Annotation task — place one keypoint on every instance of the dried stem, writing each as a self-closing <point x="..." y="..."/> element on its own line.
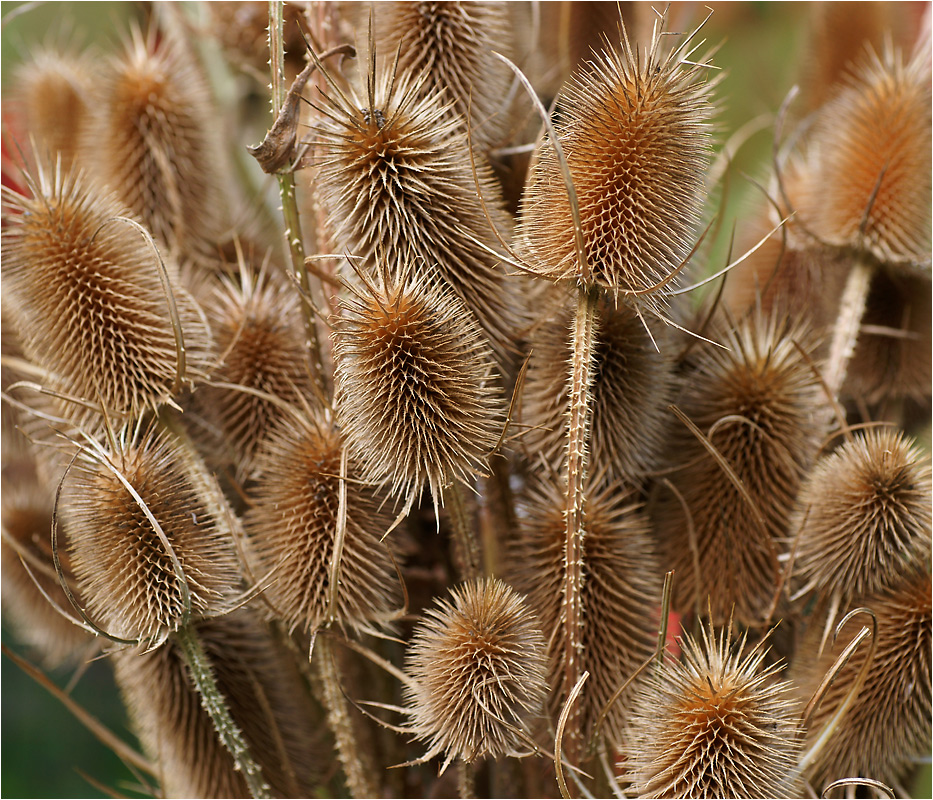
<point x="466" y="545"/>
<point x="846" y="330"/>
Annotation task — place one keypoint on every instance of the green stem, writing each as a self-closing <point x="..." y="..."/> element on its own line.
<point x="216" y="706"/>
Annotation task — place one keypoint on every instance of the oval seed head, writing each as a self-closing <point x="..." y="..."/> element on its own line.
<point x="88" y="301"/>
<point x="865" y="511"/>
<point x="887" y="729"/>
<point x="154" y="142"/>
<point x="636" y="139"/>
<point x="293" y="524"/>
<point x="716" y="723"/>
<point x="632" y="386"/>
<point x="477" y="665"/>
<point x="266" y="697"/>
<point x="756" y="400"/>
<point x="621" y="590"/>
<point x="125" y="574"/>
<point x="414" y="388"/>
<point x="872" y="143"/>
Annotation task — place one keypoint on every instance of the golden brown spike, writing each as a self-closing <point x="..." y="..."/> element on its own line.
<point x="415" y="394"/>
<point x="88" y="301"/>
<point x="293" y="525"/>
<point x="128" y="580"/>
<point x="755" y="401"/>
<point x="715" y="723"/>
<point x="865" y="511"/>
<point x="620" y="593"/>
<point x="477" y="665"/>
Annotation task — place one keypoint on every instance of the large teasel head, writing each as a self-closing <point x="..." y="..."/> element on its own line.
<point x="753" y="401"/>
<point x="264" y="692"/>
<point x="477" y="668"/>
<point x="148" y="535"/>
<point x="415" y="394"/>
<point x="153" y="140"/>
<point x="864" y="515"/>
<point x="298" y="531"/>
<point x="91" y="300"/>
<point x="635" y="133"/>
<point x="395" y="176"/>
<point x="714" y="723"/>
<point x="621" y="589"/>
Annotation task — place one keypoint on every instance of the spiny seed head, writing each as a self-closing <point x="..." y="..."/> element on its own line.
<point x="713" y="724"/>
<point x="477" y="665"/>
<point x="266" y="699"/>
<point x="415" y="394"/>
<point x="755" y="401"/>
<point x="872" y="182"/>
<point x="632" y="386"/>
<point x="87" y="300"/>
<point x="293" y="526"/>
<point x="126" y="576"/>
<point x="865" y="511"/>
<point x="887" y="729"/>
<point x="636" y="139"/>
<point x="621" y="589"/>
<point x="154" y="142"/>
<point x="395" y="175"/>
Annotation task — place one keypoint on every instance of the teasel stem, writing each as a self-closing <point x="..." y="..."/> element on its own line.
<point x="466" y="780"/>
<point x="846" y="330"/>
<point x="286" y="181"/>
<point x="467" y="548"/>
<point x="215" y="705"/>
<point x="355" y="767"/>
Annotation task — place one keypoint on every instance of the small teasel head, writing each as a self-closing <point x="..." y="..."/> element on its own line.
<point x="477" y="665"/>
<point x="865" y="514"/>
<point x="715" y="723"/>
<point x="415" y="392"/>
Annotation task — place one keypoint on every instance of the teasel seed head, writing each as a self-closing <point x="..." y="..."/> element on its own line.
<point x="478" y="669"/>
<point x="755" y="399"/>
<point x="866" y="515"/>
<point x="87" y="300"/>
<point x="621" y="589"/>
<point x="154" y="141"/>
<point x="887" y="729"/>
<point x="293" y="527"/>
<point x="636" y="137"/>
<point x="395" y="177"/>
<point x="632" y="386"/>
<point x="415" y="394"/>
<point x="126" y="576"/>
<point x="266" y="697"/>
<point x="715" y="723"/>
<point x="872" y="184"/>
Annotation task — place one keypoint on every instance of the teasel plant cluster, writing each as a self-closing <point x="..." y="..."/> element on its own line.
<point x="379" y="406"/>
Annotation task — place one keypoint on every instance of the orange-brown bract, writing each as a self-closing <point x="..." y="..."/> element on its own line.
<point x="477" y="666"/>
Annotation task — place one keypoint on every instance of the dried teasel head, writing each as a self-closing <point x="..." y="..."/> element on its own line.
<point x="636" y="137"/>
<point x="92" y="302"/>
<point x="865" y="512"/>
<point x="477" y="666"/>
<point x="871" y="185"/>
<point x="754" y="401"/>
<point x="414" y="384"/>
<point x="267" y="700"/>
<point x="153" y="140"/>
<point x="145" y="565"/>
<point x="295" y="532"/>
<point x="715" y="723"/>
<point x="621" y="589"/>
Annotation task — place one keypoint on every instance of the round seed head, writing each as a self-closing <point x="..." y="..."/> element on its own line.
<point x="477" y="665"/>
<point x="636" y="139"/>
<point x="415" y="395"/>
<point x="716" y="723"/>
<point x="127" y="579"/>
<point x="293" y="525"/>
<point x="755" y="400"/>
<point x="865" y="511"/>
